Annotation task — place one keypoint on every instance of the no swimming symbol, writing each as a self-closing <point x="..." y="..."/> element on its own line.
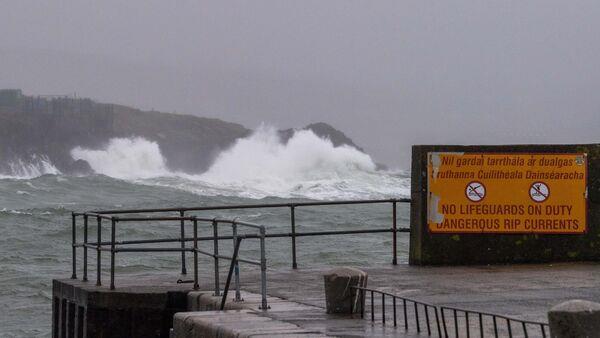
<point x="475" y="191"/>
<point x="539" y="192"/>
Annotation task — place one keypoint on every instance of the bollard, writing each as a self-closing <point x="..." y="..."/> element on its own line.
<point x="340" y="297"/>
<point x="575" y="318"/>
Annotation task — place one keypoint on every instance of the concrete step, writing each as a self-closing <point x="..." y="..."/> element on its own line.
<point x="235" y="323"/>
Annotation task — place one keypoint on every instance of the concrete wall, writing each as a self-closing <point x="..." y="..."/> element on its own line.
<point x="462" y="249"/>
<point x="80" y="309"/>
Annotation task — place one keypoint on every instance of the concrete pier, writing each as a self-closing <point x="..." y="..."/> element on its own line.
<point x="139" y="308"/>
<point x="297" y="298"/>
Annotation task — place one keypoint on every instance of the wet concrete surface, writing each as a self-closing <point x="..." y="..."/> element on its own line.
<point x="523" y="291"/>
<point x="297" y="296"/>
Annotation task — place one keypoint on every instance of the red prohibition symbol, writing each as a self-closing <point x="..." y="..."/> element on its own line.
<point x="475" y="191"/>
<point x="539" y="192"/>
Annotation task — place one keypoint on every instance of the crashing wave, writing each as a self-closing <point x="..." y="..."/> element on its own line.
<point x="34" y="166"/>
<point x="125" y="158"/>
<point x="260" y="165"/>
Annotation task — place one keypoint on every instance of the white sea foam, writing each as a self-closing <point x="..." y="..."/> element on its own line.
<point x="16" y="212"/>
<point x="257" y="166"/>
<point x="125" y="158"/>
<point x="305" y="166"/>
<point x="34" y="166"/>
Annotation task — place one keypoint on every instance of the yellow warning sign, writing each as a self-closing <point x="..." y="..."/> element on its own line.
<point x="507" y="193"/>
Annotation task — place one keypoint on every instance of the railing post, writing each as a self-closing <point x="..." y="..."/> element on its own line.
<point x="263" y="271"/>
<point x="216" y="256"/>
<point x="394" y="235"/>
<point x="182" y="227"/>
<point x="362" y="302"/>
<point x="293" y="223"/>
<point x="195" y="254"/>
<point x="383" y="308"/>
<point x="236" y="268"/>
<point x="73" y="238"/>
<point x="372" y="307"/>
<point x="112" y="253"/>
<point x="394" y="305"/>
<point x="85" y="249"/>
<point x="98" y="253"/>
<point x="236" y="249"/>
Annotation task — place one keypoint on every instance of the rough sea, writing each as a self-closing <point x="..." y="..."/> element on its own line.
<point x="36" y="202"/>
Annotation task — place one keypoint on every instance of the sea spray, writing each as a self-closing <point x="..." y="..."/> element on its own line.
<point x="263" y="157"/>
<point x="306" y="166"/>
<point x="260" y="165"/>
<point x="27" y="168"/>
<point x="125" y="158"/>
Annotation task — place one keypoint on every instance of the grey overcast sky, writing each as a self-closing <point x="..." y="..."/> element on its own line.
<point x="387" y="73"/>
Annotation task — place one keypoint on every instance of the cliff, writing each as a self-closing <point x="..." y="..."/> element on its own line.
<point x="33" y="127"/>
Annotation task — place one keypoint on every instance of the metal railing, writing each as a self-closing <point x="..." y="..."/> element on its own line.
<point x="524" y="327"/>
<point x="410" y="309"/>
<point x="293" y="234"/>
<point x="114" y="246"/>
<point x="457" y="321"/>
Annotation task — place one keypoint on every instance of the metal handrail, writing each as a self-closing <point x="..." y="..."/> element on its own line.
<point x="254" y="206"/>
<point x="480" y="315"/>
<point x="440" y="316"/>
<point x="111" y="246"/>
<point x="115" y="216"/>
<point x="405" y="307"/>
<point x="268" y="235"/>
<point x="292" y="234"/>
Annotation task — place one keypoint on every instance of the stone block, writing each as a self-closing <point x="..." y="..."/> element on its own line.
<point x="234" y="324"/>
<point x="575" y="319"/>
<point x="340" y="296"/>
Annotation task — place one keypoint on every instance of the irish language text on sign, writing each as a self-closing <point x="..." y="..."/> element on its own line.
<point x="507" y="193"/>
